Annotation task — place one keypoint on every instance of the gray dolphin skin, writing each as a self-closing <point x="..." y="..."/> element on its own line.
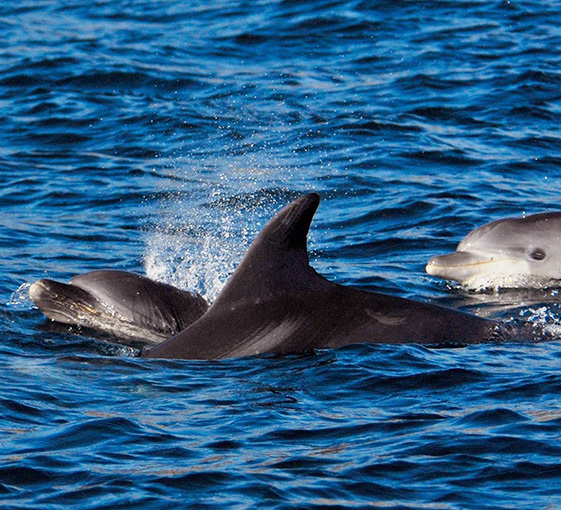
<point x="509" y="253"/>
<point x="125" y="304"/>
<point x="275" y="302"/>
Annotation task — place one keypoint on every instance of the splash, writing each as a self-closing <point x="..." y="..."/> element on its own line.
<point x="20" y="300"/>
<point x="205" y="224"/>
<point x="544" y="319"/>
<point x="199" y="259"/>
<point x="196" y="243"/>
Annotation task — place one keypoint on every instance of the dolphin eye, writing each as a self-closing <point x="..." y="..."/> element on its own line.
<point x="538" y="254"/>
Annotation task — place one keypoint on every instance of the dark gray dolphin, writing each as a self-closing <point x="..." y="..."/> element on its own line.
<point x="275" y="302"/>
<point x="125" y="304"/>
<point x="509" y="253"/>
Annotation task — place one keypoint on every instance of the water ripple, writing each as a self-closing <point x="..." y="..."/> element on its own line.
<point x="159" y="138"/>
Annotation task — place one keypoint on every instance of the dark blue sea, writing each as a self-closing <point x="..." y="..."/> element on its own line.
<point x="159" y="137"/>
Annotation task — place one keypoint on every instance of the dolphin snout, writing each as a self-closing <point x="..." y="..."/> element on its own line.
<point x="40" y="290"/>
<point x="458" y="266"/>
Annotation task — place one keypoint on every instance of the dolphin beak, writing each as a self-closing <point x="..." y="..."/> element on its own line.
<point x="39" y="291"/>
<point x="44" y="294"/>
<point x="458" y="266"/>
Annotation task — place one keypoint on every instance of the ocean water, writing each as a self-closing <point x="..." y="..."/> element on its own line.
<point x="159" y="137"/>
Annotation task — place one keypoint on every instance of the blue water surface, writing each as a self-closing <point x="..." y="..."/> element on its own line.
<point x="159" y="137"/>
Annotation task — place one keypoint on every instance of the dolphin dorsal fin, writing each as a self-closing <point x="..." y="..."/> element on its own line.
<point x="277" y="260"/>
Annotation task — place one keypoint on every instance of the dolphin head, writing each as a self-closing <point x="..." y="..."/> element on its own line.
<point x="512" y="252"/>
<point x="121" y="303"/>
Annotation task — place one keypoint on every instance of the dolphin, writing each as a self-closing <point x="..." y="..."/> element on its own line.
<point x="275" y="302"/>
<point x="124" y="304"/>
<point x="509" y="253"/>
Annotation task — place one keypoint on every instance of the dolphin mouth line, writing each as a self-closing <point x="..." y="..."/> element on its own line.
<point x="433" y="263"/>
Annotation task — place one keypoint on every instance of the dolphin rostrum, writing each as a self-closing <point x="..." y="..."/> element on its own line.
<point x="510" y="253"/>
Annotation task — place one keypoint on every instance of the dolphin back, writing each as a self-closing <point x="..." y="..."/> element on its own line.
<point x="275" y="302"/>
